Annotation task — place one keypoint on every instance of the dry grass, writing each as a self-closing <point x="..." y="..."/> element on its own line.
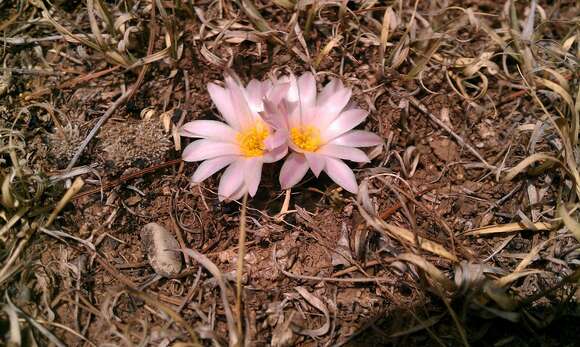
<point x="465" y="230"/>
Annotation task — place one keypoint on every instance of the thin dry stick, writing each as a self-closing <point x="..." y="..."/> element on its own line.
<point x="96" y="128"/>
<point x="87" y="78"/>
<point x="326" y="279"/>
<point x="74" y="188"/>
<point x="354" y="268"/>
<point x="64" y="327"/>
<point x="13" y="257"/>
<point x="453" y="315"/>
<point x="151" y="301"/>
<point x="128" y="177"/>
<point x="458" y="138"/>
<point x="98" y="257"/>
<point x="213" y="269"/>
<point x="11" y="20"/>
<point x="240" y="270"/>
<point x="177" y="229"/>
<point x="150" y="47"/>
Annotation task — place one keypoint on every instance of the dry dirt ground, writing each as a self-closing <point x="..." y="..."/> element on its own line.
<point x="464" y="231"/>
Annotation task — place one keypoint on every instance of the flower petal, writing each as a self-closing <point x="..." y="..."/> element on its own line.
<point x="332" y="100"/>
<point x="237" y="195"/>
<point x="271" y="115"/>
<point x="208" y="149"/>
<point x="210" y="129"/>
<point x="275" y="154"/>
<point x="300" y="116"/>
<point x="223" y="101"/>
<point x="232" y="180"/>
<point x="306" y="85"/>
<point x="331" y="88"/>
<point x="277" y="92"/>
<point x="244" y="114"/>
<point x="256" y="91"/>
<point x="277" y="139"/>
<point x="292" y="95"/>
<point x="340" y="173"/>
<point x="358" y="138"/>
<point x="344" y="152"/>
<point x="346" y="121"/>
<point x="252" y="174"/>
<point x="293" y="170"/>
<point x="316" y="162"/>
<point x="211" y="166"/>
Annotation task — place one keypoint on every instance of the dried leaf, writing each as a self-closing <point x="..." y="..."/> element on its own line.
<point x="7" y="198"/>
<point x="213" y="269"/>
<point x="76" y="186"/>
<point x="326" y="50"/>
<point x="504" y="281"/>
<point x="532" y="254"/>
<point x="513" y="172"/>
<point x="570" y="223"/>
<point x="426" y="324"/>
<point x="507" y="228"/>
<point x="169" y="312"/>
<point x="342" y="255"/>
<point x="319" y="305"/>
<point x="50" y="336"/>
<point x="384" y="39"/>
<point x="429" y="268"/>
<point x="15" y="338"/>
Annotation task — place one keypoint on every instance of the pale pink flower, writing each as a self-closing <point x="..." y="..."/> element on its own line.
<point x="319" y="130"/>
<point x="243" y="143"/>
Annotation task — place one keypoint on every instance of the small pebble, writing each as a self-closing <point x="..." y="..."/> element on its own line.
<point x="159" y="244"/>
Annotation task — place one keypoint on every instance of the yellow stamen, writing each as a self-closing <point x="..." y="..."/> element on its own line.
<point x="306" y="138"/>
<point x="251" y="140"/>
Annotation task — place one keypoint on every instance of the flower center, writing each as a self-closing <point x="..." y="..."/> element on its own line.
<point x="306" y="138"/>
<point x="251" y="140"/>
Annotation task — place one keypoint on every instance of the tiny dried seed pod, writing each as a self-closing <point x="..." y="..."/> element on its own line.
<point x="160" y="247"/>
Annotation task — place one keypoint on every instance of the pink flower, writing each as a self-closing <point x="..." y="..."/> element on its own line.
<point x="319" y="130"/>
<point x="243" y="143"/>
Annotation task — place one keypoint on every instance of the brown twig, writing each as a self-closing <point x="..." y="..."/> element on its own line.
<point x="419" y="105"/>
<point x="150" y="47"/>
<point x="391" y="210"/>
<point x="326" y="279"/>
<point x="127" y="178"/>
<point x="11" y="20"/>
<point x="354" y="268"/>
<point x="177" y="229"/>
<point x="86" y="78"/>
<point x="121" y="100"/>
<point x="240" y="266"/>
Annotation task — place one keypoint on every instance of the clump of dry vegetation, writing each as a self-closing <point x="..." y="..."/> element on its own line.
<point x="133" y="145"/>
<point x="464" y="232"/>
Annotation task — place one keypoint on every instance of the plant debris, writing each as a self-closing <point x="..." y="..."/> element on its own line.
<point x="162" y="250"/>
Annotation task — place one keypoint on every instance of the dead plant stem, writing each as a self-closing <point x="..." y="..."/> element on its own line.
<point x="96" y="128"/>
<point x="240" y="268"/>
<point x="416" y="103"/>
